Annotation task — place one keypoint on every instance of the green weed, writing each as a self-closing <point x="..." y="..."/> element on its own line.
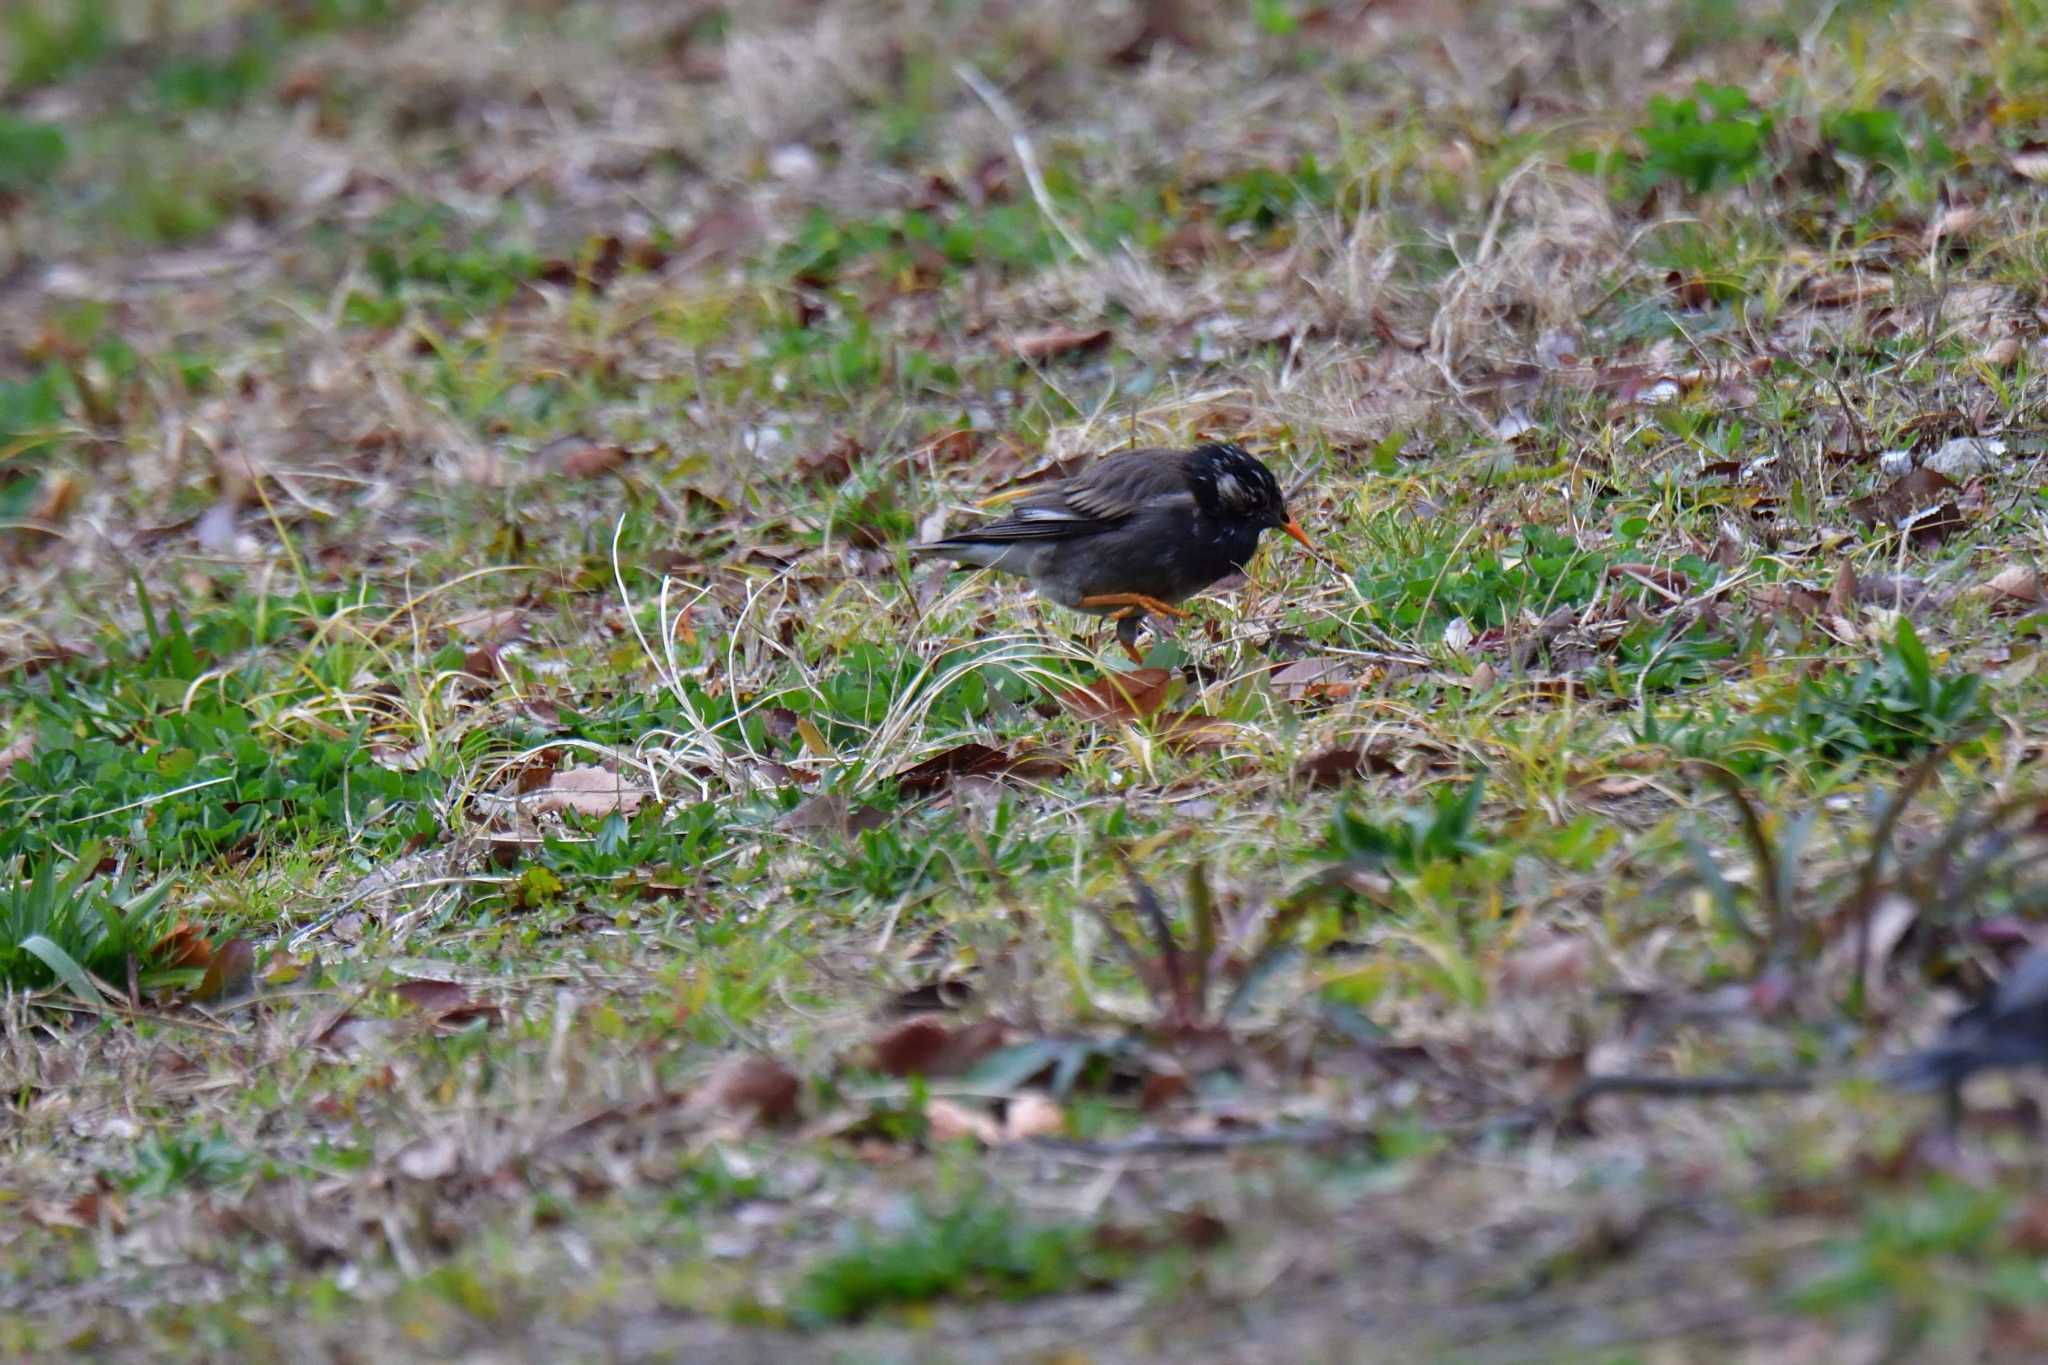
<point x="977" y="1250"/>
<point x="59" y="919"/>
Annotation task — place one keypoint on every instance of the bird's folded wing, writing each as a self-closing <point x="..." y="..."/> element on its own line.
<point x="1101" y="497"/>
<point x="1040" y="522"/>
<point x="1118" y="487"/>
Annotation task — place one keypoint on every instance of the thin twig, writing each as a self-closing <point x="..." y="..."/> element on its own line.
<point x="1680" y="1087"/>
<point x="1855" y="426"/>
<point x="1195" y="1144"/>
<point x="1020" y="143"/>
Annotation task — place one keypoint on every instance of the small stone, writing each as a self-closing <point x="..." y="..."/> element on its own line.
<point x="1965" y="457"/>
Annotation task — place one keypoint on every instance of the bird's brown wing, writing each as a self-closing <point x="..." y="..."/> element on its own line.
<point x="1105" y="494"/>
<point x="1114" y="488"/>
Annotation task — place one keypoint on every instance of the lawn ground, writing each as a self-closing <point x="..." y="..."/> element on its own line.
<point x="504" y="854"/>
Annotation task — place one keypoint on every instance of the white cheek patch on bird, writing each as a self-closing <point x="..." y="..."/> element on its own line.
<point x="1231" y="492"/>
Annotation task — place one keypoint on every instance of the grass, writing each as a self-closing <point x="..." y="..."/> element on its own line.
<point x="503" y="847"/>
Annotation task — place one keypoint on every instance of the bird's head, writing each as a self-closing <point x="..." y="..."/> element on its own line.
<point x="1229" y="481"/>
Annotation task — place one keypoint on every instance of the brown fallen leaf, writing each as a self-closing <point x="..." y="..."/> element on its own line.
<point x="1397" y="337"/>
<point x="588" y="791"/>
<point x="1846" y="291"/>
<point x="751" y="1087"/>
<point x="578" y="457"/>
<point x="1794" y="599"/>
<point x="2000" y="354"/>
<point x="834" y="464"/>
<point x="1655" y="576"/>
<point x="954" y="447"/>
<point x="1054" y="341"/>
<point x="230" y="972"/>
<point x="1335" y="766"/>
<point x="2016" y="588"/>
<point x="1314" y="680"/>
<point x="1955" y="225"/>
<point x="976" y="760"/>
<point x="17" y="751"/>
<point x="1032" y="1115"/>
<point x="926" y="1046"/>
<point x="1842" y="596"/>
<point x="835" y="812"/>
<point x="1610" y="788"/>
<point x="1919" y="504"/>
<point x="909" y="1048"/>
<point x="1196" y="732"/>
<point x="1160" y="22"/>
<point x="490" y="626"/>
<point x="718" y="236"/>
<point x="431" y="996"/>
<point x="1549" y="964"/>
<point x="949" y="1121"/>
<point x="1688" y="291"/>
<point x="184" y="946"/>
<point x="1118" y="696"/>
<point x="428" y="1158"/>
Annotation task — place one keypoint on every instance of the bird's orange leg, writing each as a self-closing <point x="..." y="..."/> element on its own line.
<point x="1138" y="600"/>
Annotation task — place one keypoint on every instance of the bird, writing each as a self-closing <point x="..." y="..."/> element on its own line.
<point x="1134" y="533"/>
<point x="2006" y="1029"/>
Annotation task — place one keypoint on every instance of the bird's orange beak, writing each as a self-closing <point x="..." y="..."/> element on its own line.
<point x="1293" y="528"/>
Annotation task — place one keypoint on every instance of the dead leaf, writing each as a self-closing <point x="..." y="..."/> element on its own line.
<point x="1054" y="341"/>
<point x="494" y="626"/>
<point x="1668" y="580"/>
<point x="926" y="1046"/>
<point x="1846" y="291"/>
<point x="302" y="84"/>
<point x="949" y="1121"/>
<point x="1688" y="291"/>
<point x="1918" y="504"/>
<point x="1955" y="225"/>
<point x="1314" y="680"/>
<point x="229" y="973"/>
<point x="719" y="235"/>
<point x="1335" y="766"/>
<point x="431" y="996"/>
<point x="1032" y="1115"/>
<point x="184" y="946"/>
<point x="2014" y="588"/>
<point x="1794" y="599"/>
<point x="1119" y="696"/>
<point x="1610" y="788"/>
<point x="578" y="457"/>
<point x="833" y="811"/>
<point x="954" y="447"/>
<point x="753" y="1087"/>
<point x="2031" y="162"/>
<point x="976" y="760"/>
<point x="1842" y="596"/>
<point x="1196" y="732"/>
<point x="834" y="464"/>
<point x="2000" y="354"/>
<point x="428" y="1158"/>
<point x="17" y="752"/>
<point x="216" y="529"/>
<point x="909" y="1048"/>
<point x="1160" y="22"/>
<point x="1399" y="338"/>
<point x="1548" y="965"/>
<point x="589" y="791"/>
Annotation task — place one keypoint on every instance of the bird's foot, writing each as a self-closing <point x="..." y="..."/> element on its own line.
<point x="1136" y="603"/>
